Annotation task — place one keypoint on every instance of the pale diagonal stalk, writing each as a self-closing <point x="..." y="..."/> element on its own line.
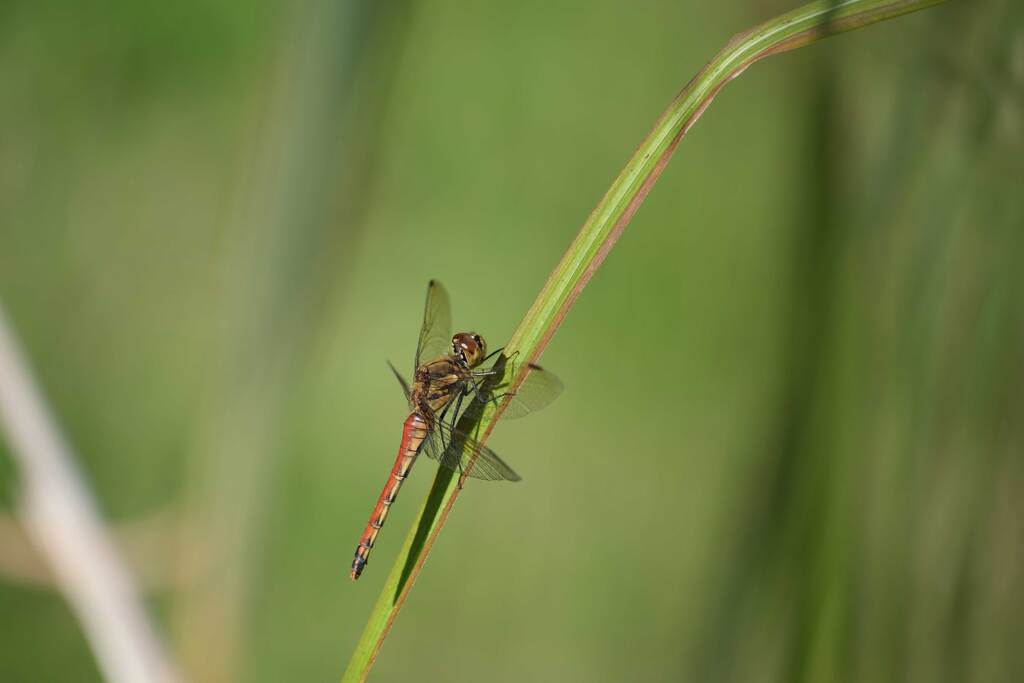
<point x="62" y="519"/>
<point x="592" y="244"/>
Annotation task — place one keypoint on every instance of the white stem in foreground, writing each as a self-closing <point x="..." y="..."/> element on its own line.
<point x="59" y="515"/>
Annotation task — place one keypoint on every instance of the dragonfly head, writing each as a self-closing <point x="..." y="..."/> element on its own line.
<point x="469" y="347"/>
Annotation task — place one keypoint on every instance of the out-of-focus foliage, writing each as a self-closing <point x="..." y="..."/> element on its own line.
<point x="790" y="444"/>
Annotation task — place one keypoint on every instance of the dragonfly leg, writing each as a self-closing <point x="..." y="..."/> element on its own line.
<point x="479" y="390"/>
<point x="455" y="418"/>
<point x="478" y="386"/>
<point x="498" y="397"/>
<point x="493" y="353"/>
<point x="440" y="418"/>
<point x="496" y="369"/>
<point x="491" y="398"/>
<point x="500" y="363"/>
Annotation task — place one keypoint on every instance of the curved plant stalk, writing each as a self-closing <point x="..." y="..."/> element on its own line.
<point x="592" y="244"/>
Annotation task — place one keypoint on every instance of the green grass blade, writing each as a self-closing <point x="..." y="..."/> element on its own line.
<point x="588" y="250"/>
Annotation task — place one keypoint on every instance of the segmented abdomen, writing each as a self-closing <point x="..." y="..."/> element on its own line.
<point x="413" y="434"/>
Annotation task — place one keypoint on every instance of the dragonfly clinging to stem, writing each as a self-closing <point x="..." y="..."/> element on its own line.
<point x="450" y="372"/>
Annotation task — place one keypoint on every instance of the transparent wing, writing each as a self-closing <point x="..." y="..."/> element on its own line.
<point x="457" y="451"/>
<point x="401" y="380"/>
<point x="436" y="333"/>
<point x="537" y="391"/>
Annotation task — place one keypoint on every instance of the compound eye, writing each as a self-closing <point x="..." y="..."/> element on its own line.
<point x="476" y="338"/>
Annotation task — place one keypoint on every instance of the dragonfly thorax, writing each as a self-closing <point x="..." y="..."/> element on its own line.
<point x="436" y="383"/>
<point x="469" y="347"/>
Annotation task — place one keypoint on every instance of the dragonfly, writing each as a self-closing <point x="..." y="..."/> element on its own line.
<point x="450" y="375"/>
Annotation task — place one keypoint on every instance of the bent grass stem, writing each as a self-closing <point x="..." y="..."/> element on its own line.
<point x="588" y="250"/>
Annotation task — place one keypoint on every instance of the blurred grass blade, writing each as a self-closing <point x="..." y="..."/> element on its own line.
<point x="289" y="249"/>
<point x="61" y="517"/>
<point x="592" y="244"/>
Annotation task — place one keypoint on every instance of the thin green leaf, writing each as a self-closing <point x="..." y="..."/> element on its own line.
<point x="586" y="253"/>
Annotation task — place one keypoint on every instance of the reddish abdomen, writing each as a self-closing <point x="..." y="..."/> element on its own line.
<point x="413" y="434"/>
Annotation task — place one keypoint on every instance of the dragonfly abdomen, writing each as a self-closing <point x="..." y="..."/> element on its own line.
<point x="413" y="433"/>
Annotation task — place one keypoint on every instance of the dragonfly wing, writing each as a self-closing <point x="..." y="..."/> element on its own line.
<point x="401" y="380"/>
<point x="436" y="332"/>
<point x="537" y="391"/>
<point x="462" y="454"/>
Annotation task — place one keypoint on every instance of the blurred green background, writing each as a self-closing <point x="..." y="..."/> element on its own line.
<point x="790" y="442"/>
